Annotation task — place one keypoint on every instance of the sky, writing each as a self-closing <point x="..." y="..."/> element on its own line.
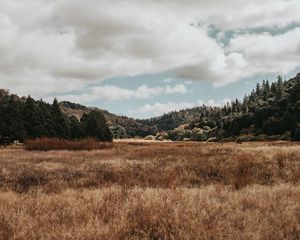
<point x="145" y="58"/>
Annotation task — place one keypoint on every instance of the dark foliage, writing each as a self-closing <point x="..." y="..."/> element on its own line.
<point x="25" y="118"/>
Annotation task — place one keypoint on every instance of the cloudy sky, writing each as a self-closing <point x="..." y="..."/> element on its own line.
<point x="144" y="58"/>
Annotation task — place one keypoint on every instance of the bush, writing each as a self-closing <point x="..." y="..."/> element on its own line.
<point x="47" y="144"/>
<point x="150" y="138"/>
<point x="162" y="136"/>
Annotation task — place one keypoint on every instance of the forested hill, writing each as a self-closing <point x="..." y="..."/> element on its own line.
<point x="271" y="111"/>
<point x="174" y="119"/>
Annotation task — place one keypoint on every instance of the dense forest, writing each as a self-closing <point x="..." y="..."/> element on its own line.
<point x="25" y="118"/>
<point x="270" y="112"/>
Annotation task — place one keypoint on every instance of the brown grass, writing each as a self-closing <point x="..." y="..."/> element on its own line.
<point x="47" y="144"/>
<point x="165" y="165"/>
<point x="212" y="212"/>
<point x="143" y="190"/>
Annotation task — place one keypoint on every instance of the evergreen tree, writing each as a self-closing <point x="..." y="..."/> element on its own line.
<point x="60" y="122"/>
<point x="77" y="130"/>
<point x="14" y="123"/>
<point x="30" y="118"/>
<point x="95" y="126"/>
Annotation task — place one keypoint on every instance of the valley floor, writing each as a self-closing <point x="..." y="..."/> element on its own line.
<point x="140" y="190"/>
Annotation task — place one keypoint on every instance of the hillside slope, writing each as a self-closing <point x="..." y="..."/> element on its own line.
<point x="271" y="111"/>
<point x="121" y="126"/>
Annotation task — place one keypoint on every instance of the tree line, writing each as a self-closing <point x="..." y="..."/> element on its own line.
<point x="25" y="118"/>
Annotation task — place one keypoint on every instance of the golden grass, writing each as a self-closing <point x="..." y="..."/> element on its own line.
<point x="166" y="165"/>
<point x="143" y="190"/>
<point x="212" y="212"/>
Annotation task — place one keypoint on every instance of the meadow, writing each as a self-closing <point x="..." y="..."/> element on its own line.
<point x="152" y="190"/>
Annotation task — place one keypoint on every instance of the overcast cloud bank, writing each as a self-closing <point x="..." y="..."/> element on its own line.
<point x="56" y="47"/>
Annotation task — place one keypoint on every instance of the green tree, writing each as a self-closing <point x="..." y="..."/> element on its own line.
<point x="77" y="130"/>
<point x="96" y="126"/>
<point x="30" y="118"/>
<point x="60" y="121"/>
<point x="14" y="123"/>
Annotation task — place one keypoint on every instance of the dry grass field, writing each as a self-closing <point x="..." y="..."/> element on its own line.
<point x="139" y="190"/>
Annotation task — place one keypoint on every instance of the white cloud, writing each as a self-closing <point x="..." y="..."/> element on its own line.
<point x="158" y="109"/>
<point x="179" y="88"/>
<point x="56" y="46"/>
<point x="264" y="53"/>
<point x="115" y="93"/>
<point x="249" y="54"/>
<point x="214" y="103"/>
<point x="161" y="108"/>
<point x="189" y="82"/>
<point x="168" y="80"/>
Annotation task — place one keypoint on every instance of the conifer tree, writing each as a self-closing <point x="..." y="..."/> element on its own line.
<point x="60" y="122"/>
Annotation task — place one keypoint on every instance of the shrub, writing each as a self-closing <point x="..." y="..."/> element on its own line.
<point x="150" y="138"/>
<point x="47" y="144"/>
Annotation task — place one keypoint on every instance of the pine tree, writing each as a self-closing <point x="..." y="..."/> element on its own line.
<point x="60" y="122"/>
<point x="258" y="90"/>
<point x="95" y="126"/>
<point x="14" y="123"/>
<point x="30" y="118"/>
<point x="273" y="88"/>
<point x="267" y="86"/>
<point x="77" y="130"/>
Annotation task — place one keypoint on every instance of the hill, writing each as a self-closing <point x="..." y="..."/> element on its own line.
<point x="120" y="126"/>
<point x="269" y="112"/>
